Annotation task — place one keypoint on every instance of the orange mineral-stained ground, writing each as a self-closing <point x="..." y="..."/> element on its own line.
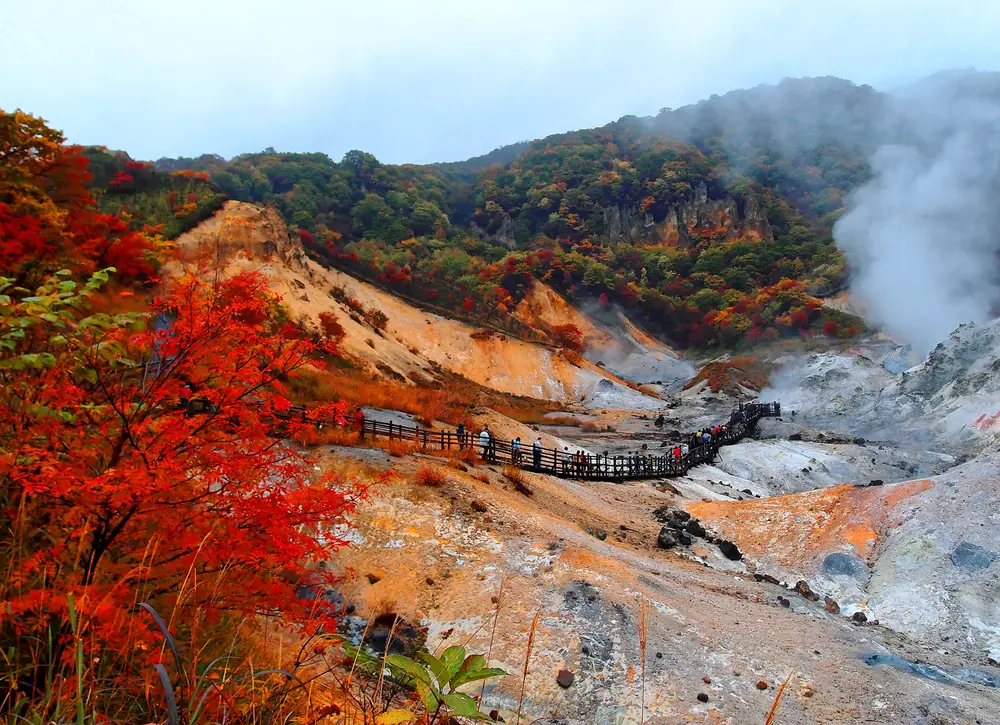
<point x="796" y="531"/>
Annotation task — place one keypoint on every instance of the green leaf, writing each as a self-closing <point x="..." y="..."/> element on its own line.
<point x="413" y="669"/>
<point x="364" y="660"/>
<point x="436" y="667"/>
<point x="428" y="695"/>
<point x="452" y="659"/>
<point x="464" y="706"/>
<point x="465" y="677"/>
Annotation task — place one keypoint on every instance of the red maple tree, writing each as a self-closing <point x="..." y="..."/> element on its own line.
<point x="145" y="456"/>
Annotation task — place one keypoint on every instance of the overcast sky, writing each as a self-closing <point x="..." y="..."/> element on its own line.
<point x="439" y="80"/>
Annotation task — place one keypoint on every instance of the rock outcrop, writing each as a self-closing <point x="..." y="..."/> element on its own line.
<point x="684" y="222"/>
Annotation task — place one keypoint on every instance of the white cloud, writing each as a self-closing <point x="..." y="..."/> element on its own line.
<point x="438" y="79"/>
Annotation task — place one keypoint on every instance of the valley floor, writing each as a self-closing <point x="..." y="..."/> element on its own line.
<point x="582" y="555"/>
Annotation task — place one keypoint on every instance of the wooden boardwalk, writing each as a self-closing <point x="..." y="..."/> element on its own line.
<point x="580" y="466"/>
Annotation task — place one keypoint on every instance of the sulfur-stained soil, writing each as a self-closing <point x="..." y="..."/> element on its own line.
<point x="581" y="555"/>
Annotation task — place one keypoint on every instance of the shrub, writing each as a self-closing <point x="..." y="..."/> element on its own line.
<point x="333" y="331"/>
<point x="376" y="318"/>
<point x="516" y="476"/>
<point x="429" y="476"/>
<point x="831" y="329"/>
<point x="568" y="336"/>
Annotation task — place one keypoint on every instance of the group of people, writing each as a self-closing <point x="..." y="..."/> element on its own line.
<point x="488" y="447"/>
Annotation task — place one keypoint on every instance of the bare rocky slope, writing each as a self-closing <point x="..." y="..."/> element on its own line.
<point x="245" y="236"/>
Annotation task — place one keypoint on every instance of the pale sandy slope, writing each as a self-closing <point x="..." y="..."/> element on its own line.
<point x="414" y="341"/>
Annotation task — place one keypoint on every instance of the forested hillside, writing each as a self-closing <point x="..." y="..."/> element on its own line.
<point x="711" y="223"/>
<point x="144" y="195"/>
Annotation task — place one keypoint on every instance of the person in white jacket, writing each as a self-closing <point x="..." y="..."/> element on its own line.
<point x="484" y="442"/>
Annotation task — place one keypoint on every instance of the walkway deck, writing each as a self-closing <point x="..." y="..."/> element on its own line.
<point x="578" y="465"/>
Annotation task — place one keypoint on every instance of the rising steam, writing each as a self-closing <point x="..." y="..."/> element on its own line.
<point x="922" y="236"/>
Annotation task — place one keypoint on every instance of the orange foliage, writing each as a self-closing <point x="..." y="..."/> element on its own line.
<point x="567" y="336"/>
<point x="141" y="461"/>
<point x="47" y="216"/>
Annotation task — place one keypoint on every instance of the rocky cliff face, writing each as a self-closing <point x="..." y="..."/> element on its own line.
<point x="685" y="222"/>
<point x="241" y="227"/>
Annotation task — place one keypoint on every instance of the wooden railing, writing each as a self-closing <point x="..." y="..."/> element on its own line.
<point x="576" y="465"/>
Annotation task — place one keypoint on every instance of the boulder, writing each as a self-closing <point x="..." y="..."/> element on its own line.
<point x="803" y="588"/>
<point x="667" y="538"/>
<point x="730" y="550"/>
<point x="972" y="556"/>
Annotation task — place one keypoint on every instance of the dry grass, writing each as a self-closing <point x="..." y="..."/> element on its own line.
<point x="482" y="477"/>
<point x="593" y="426"/>
<point x="564" y="420"/>
<point x="358" y="388"/>
<point x="516" y="476"/>
<point x="777" y="700"/>
<point x="642" y="659"/>
<point x="527" y="659"/>
<point x="429" y="476"/>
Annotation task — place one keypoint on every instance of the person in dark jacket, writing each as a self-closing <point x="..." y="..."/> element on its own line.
<point x="536" y="454"/>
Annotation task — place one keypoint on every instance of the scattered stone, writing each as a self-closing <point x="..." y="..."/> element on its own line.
<point x="565" y="678"/>
<point x="374" y="578"/>
<point x="495" y="715"/>
<point x="430" y="582"/>
<point x="795" y="437"/>
<point x="585" y="650"/>
<point x="685" y="538"/>
<point x="479" y="506"/>
<point x="666" y="539"/>
<point x="845" y="565"/>
<point x="762" y="685"/>
<point x="702" y="697"/>
<point x="784" y="602"/>
<point x="831" y="606"/>
<point x="859" y="441"/>
<point x="670" y="515"/>
<point x="730" y="550"/>
<point x="877" y="482"/>
<point x="859" y="617"/>
<point x="659" y="655"/>
<point x="766" y="578"/>
<point x="803" y="588"/>
<point x="349" y="609"/>
<point x="972" y="557"/>
<point x="601" y="534"/>
<point x="695" y="529"/>
<point x="706" y="679"/>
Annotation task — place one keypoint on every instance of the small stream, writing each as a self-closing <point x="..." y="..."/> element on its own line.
<point x="954" y="676"/>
